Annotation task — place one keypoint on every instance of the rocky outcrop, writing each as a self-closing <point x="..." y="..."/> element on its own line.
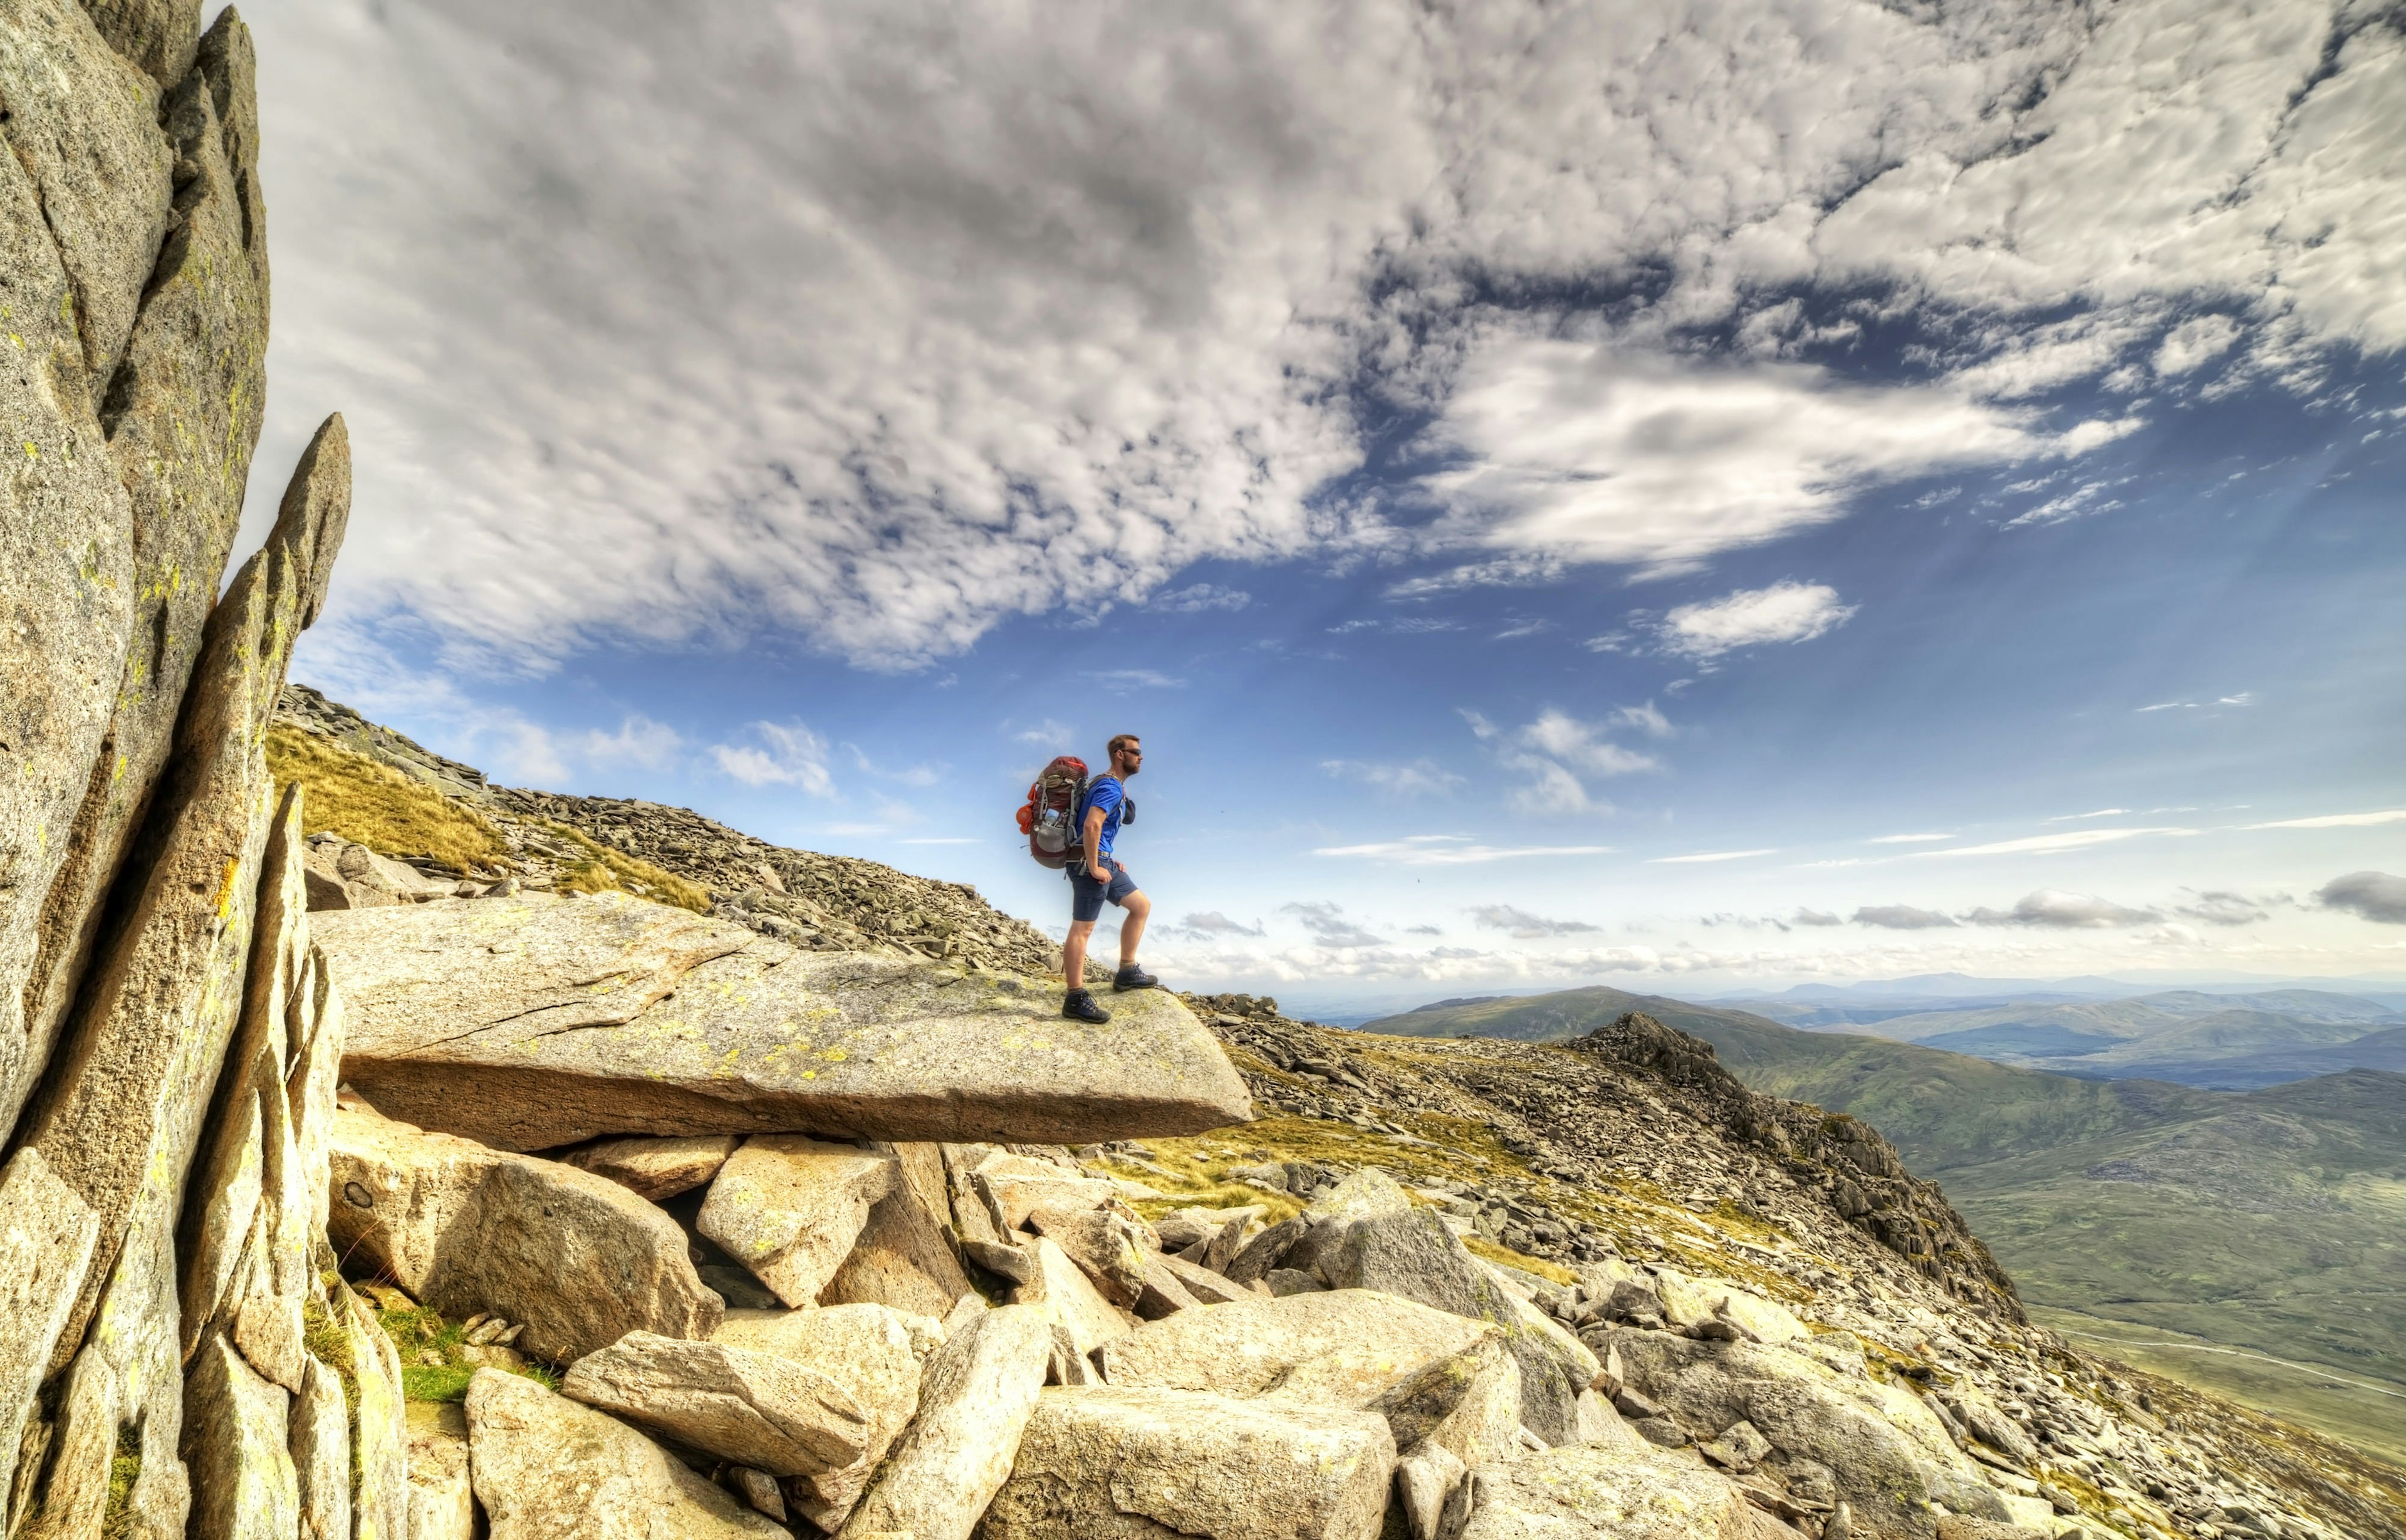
<point x="169" y="1036"/>
<point x="532" y="1022"/>
<point x="657" y="1168"/>
<point x="576" y="1258"/>
<point x="815" y="901"/>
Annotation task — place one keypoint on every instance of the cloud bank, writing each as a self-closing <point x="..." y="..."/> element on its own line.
<point x="882" y="323"/>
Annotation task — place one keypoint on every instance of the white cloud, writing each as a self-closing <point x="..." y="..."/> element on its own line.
<point x="1557" y="754"/>
<point x="639" y="740"/>
<point x="1328" y="926"/>
<point x="1200" y="598"/>
<point x="908" y="775"/>
<point x="2374" y="895"/>
<point x="1452" y="850"/>
<point x="1135" y="679"/>
<point x="2226" y="909"/>
<point x="1709" y="856"/>
<point x="1908" y="839"/>
<point x="1047" y="734"/>
<point x="1594" y="452"/>
<point x="2080" y="502"/>
<point x="1814" y="917"/>
<point x="1525" y="925"/>
<point x="1750" y="617"/>
<point x="1212" y="923"/>
<point x="2195" y="342"/>
<point x="1580" y="745"/>
<point x="1901" y="917"/>
<point x="2061" y="911"/>
<point x="1420" y="778"/>
<point x="2048" y="845"/>
<point x="786" y="754"/>
<point x="2338" y="820"/>
<point x="1646" y="719"/>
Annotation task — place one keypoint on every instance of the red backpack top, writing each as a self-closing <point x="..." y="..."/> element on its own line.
<point x="1050" y="816"/>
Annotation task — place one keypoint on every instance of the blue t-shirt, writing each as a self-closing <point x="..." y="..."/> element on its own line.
<point x="1106" y="793"/>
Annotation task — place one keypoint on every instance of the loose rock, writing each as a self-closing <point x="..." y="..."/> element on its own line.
<point x="1099" y="1460"/>
<point x="545" y="1466"/>
<point x="790" y="1209"/>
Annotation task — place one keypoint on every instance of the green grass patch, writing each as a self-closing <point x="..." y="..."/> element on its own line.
<point x="124" y="1470"/>
<point x="418" y="1331"/>
<point x="377" y="806"/>
<point x="601" y="870"/>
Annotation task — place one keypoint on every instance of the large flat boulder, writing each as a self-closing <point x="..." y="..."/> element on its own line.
<point x="537" y="1022"/>
<point x="1100" y="1463"/>
<point x="576" y="1258"/>
<point x="1581" y="1493"/>
<point x="545" y="1466"/>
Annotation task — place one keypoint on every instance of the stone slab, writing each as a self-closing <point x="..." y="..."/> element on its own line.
<point x="538" y="1021"/>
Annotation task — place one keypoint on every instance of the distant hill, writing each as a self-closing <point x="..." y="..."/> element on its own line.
<point x="2273" y="1220"/>
<point x="2194" y="1037"/>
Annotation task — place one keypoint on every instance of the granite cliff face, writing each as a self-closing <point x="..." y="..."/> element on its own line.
<point x="170" y="1356"/>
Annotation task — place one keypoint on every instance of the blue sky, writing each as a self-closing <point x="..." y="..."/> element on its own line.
<point x="1683" y="497"/>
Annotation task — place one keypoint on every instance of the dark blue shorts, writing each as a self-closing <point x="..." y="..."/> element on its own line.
<point x="1086" y="895"/>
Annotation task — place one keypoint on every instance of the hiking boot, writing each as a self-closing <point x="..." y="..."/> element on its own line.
<point x="1133" y="977"/>
<point x="1078" y="1006"/>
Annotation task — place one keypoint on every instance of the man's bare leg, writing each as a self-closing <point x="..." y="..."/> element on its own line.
<point x="1136" y="906"/>
<point x="1073" y="953"/>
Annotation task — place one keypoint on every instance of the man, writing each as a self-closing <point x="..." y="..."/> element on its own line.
<point x="1095" y="877"/>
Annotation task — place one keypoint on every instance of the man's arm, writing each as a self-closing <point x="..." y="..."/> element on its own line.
<point x="1094" y="842"/>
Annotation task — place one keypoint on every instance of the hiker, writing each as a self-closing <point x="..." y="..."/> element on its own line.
<point x="1095" y="875"/>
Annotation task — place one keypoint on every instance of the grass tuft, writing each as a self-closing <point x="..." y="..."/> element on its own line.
<point x="377" y="806"/>
<point x="603" y="870"/>
<point x="124" y="1470"/>
<point x="420" y="1330"/>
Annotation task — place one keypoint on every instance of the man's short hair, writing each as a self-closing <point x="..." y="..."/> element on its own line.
<point x="1118" y="743"/>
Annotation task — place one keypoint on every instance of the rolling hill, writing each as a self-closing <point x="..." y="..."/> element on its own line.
<point x="2191" y="1037"/>
<point x="2258" y="1237"/>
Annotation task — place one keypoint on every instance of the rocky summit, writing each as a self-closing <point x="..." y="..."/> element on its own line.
<point x="396" y="1156"/>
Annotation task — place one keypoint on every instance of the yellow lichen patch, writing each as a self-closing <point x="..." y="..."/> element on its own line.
<point x="379" y="807"/>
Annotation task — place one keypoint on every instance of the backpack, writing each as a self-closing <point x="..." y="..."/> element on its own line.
<point x="1050" y="816"/>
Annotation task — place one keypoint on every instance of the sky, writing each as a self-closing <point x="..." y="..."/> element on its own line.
<point x="1689" y="496"/>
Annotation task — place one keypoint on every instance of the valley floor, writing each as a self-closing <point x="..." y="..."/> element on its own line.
<point x="2361" y="1413"/>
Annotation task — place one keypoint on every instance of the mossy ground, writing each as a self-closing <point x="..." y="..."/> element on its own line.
<point x="416" y="1332"/>
<point x="377" y="806"/>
